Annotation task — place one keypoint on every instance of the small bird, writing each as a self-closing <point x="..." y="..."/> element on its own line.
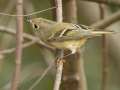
<point x="63" y="35"/>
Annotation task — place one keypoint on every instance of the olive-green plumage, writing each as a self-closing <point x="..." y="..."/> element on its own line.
<point x="64" y="35"/>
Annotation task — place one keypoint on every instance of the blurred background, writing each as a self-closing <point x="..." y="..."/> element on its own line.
<point x="36" y="59"/>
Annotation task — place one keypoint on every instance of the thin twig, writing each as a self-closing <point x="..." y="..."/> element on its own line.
<point x="26" y="15"/>
<point x="105" y="63"/>
<point x="9" y="7"/>
<point x="107" y="21"/>
<point x="19" y="39"/>
<point x="10" y="50"/>
<point x="42" y="76"/>
<point x="59" y="18"/>
<point x="26" y="36"/>
<point x="1" y="62"/>
<point x="82" y="77"/>
<point x="105" y="60"/>
<point x="109" y="2"/>
<point x="58" y="75"/>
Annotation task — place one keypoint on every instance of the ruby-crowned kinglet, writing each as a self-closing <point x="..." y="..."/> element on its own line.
<point x="64" y="35"/>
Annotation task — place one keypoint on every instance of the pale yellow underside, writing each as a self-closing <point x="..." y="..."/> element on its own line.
<point x="71" y="45"/>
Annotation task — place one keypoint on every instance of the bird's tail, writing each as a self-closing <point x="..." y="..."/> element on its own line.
<point x="99" y="33"/>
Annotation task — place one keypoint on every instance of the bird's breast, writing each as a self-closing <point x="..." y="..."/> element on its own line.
<point x="75" y="44"/>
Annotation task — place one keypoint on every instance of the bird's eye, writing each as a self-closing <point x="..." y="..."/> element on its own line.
<point x="36" y="26"/>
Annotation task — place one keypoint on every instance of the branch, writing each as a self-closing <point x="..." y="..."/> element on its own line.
<point x="26" y="36"/>
<point x="59" y="18"/>
<point x="109" y="2"/>
<point x="1" y="62"/>
<point x="105" y="60"/>
<point x="19" y="39"/>
<point x="70" y="11"/>
<point x="26" y="15"/>
<point x="10" y="50"/>
<point x="107" y="21"/>
<point x="74" y="77"/>
<point x="58" y="75"/>
<point x="41" y="77"/>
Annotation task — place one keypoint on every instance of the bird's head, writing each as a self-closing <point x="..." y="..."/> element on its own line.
<point x="41" y="23"/>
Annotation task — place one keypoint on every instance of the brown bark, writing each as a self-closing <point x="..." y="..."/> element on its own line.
<point x="19" y="39"/>
<point x="73" y="72"/>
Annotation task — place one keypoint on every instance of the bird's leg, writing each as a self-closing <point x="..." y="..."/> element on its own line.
<point x="60" y="56"/>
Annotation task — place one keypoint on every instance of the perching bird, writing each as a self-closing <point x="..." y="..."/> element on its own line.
<point x="63" y="35"/>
